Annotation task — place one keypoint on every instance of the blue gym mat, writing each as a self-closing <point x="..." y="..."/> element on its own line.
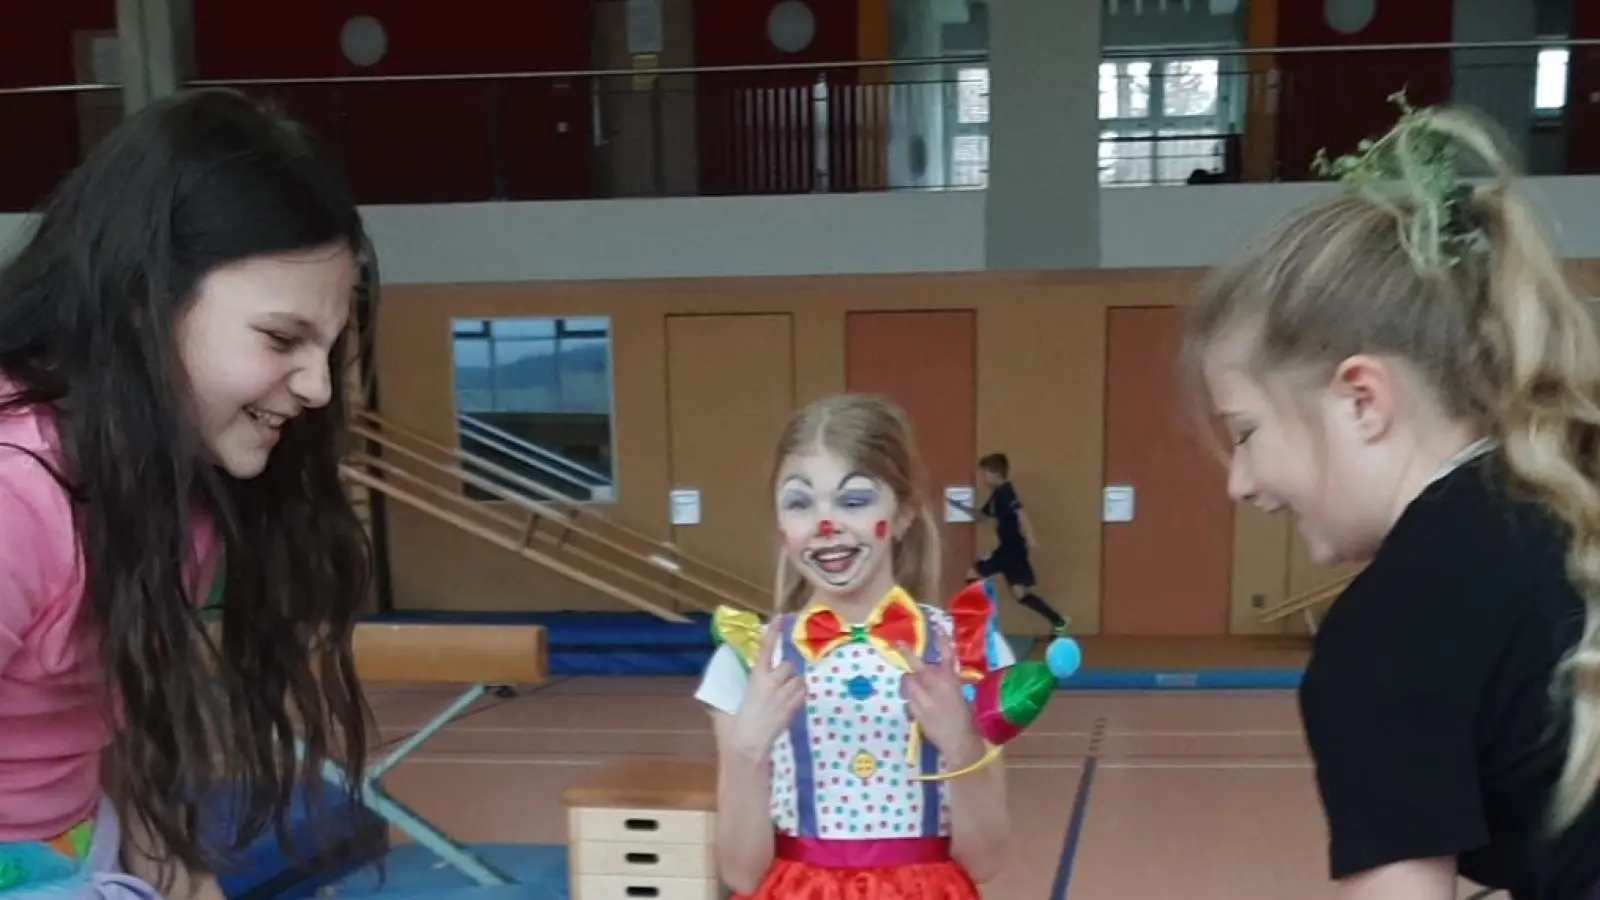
<point x="637" y="644"/>
<point x="267" y="870"/>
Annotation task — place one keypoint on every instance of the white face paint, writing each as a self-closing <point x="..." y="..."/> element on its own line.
<point x="837" y="525"/>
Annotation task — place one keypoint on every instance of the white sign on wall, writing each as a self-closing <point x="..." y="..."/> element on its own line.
<point x="685" y="506"/>
<point x="957" y="500"/>
<point x="1116" y="504"/>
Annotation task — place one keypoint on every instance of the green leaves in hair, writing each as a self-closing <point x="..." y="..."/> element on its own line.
<point x="1418" y="163"/>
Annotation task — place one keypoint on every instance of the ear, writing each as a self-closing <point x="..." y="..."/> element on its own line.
<point x="1366" y="389"/>
<point x="903" y="520"/>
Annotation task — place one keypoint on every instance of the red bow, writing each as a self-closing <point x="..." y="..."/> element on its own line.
<point x="896" y="621"/>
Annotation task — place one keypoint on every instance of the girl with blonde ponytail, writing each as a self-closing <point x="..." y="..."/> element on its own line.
<point x="849" y="762"/>
<point x="1405" y="367"/>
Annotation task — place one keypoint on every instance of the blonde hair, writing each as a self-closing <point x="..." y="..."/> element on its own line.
<point x="876" y="437"/>
<point x="1460" y="281"/>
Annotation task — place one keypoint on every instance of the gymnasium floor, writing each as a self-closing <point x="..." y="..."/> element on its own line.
<point x="1115" y="795"/>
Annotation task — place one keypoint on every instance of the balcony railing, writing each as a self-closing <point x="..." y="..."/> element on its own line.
<point x="1171" y="116"/>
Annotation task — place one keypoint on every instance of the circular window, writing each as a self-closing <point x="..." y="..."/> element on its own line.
<point x="1349" y="16"/>
<point x="790" y="26"/>
<point x="363" y="41"/>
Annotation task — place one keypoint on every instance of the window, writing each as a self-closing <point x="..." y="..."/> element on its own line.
<point x="1550" y="81"/>
<point x="533" y="400"/>
<point x="969" y="140"/>
<point x="1162" y="120"/>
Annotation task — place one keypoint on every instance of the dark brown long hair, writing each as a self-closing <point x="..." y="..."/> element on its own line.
<point x="87" y="313"/>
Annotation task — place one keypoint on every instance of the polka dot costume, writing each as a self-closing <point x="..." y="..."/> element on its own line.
<point x="840" y="771"/>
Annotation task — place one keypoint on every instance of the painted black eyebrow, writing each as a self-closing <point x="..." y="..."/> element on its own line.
<point x="849" y="475"/>
<point x="800" y="478"/>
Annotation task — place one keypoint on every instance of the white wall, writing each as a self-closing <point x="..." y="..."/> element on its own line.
<point x="823" y="234"/>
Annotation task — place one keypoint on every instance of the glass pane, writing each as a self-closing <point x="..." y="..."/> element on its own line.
<point x="596" y="325"/>
<point x="470" y="360"/>
<point x="1126" y="158"/>
<point x="1550" y="91"/>
<point x="1190" y="87"/>
<point x="970" y="160"/>
<point x="541" y="327"/>
<point x="525" y="377"/>
<point x="585" y="376"/>
<point x="1136" y="89"/>
<point x="1108" y="90"/>
<point x="972" y="92"/>
<point x="1181" y="152"/>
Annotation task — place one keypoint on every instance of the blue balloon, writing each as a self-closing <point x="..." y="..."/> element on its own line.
<point x="1063" y="657"/>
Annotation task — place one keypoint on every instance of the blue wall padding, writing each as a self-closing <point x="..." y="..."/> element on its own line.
<point x="266" y="870"/>
<point x="1196" y="679"/>
<point x="613" y="644"/>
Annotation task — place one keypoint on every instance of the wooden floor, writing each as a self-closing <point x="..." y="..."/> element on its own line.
<point x="1200" y="796"/>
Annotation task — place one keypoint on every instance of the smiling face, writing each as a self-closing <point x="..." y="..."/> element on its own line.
<point x="1275" y="464"/>
<point x="1338" y="455"/>
<point x="837" y="525"/>
<point x="255" y="345"/>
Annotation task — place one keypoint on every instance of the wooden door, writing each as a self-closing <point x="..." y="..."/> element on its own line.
<point x="730" y="389"/>
<point x="926" y="362"/>
<point x="1166" y="572"/>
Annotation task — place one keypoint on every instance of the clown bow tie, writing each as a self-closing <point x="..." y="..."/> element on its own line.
<point x="895" y="622"/>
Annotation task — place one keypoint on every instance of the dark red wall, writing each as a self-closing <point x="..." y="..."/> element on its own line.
<point x="424" y="142"/>
<point x="1583" y="114"/>
<point x="40" y="131"/>
<point x="1334" y="100"/>
<point x="756" y="128"/>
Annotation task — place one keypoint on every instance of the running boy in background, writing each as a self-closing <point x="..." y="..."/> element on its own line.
<point x="1014" y="539"/>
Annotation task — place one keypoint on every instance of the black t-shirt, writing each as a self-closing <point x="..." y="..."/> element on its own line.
<point x="1006" y="509"/>
<point x="1427" y="701"/>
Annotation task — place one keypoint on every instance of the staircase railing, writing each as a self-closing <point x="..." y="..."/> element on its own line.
<point x="541" y="524"/>
<point x="586" y="482"/>
<point x="1306" y="602"/>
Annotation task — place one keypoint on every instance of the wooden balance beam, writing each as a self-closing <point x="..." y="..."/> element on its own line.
<point x="479" y="658"/>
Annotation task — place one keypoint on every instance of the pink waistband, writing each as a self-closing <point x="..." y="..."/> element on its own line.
<point x="864" y="854"/>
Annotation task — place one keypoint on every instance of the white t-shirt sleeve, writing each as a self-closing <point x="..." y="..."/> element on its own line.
<point x="723" y="685"/>
<point x="1004" y="655"/>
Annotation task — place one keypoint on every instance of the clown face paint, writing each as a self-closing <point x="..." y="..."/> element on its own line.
<point x="836" y="524"/>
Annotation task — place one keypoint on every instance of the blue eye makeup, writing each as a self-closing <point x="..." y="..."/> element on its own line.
<point x="858" y="498"/>
<point x="794" y="500"/>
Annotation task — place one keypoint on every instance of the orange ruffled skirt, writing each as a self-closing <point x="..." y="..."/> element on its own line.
<point x="898" y="869"/>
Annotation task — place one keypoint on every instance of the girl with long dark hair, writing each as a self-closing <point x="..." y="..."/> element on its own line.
<point x="171" y="336"/>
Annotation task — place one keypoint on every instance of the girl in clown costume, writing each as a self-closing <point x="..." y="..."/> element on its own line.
<point x="858" y="731"/>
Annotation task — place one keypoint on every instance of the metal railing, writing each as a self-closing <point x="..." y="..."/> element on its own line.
<point x="480" y="440"/>
<point x="912" y="124"/>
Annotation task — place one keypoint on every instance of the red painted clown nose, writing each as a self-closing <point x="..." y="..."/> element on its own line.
<point x="825" y="528"/>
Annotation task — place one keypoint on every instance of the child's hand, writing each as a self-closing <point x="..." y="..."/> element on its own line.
<point x="771" y="699"/>
<point x="934" y="696"/>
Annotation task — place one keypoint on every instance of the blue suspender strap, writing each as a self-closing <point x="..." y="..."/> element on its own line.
<point x="800" y="737"/>
<point x="932" y="794"/>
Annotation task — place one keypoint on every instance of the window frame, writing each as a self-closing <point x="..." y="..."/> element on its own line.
<point x="480" y="330"/>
